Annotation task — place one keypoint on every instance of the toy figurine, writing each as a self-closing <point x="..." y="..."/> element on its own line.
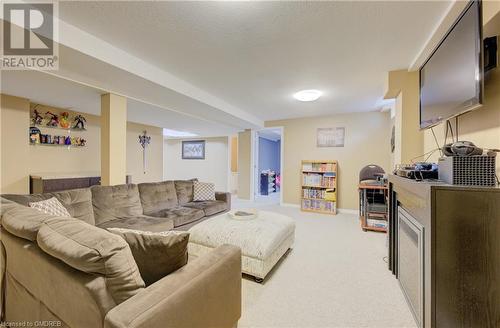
<point x="53" y="120"/>
<point x="82" y="142"/>
<point x="36" y="118"/>
<point x="64" y="120"/>
<point x="79" y="122"/>
<point x="34" y="135"/>
<point x="67" y="141"/>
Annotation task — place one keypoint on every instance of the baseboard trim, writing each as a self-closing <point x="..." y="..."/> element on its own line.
<point x="290" y="205"/>
<point x="347" y="211"/>
<point x="339" y="210"/>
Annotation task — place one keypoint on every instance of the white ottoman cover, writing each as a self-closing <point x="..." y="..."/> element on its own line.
<point x="262" y="240"/>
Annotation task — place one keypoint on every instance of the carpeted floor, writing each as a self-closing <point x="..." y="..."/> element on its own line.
<point x="335" y="276"/>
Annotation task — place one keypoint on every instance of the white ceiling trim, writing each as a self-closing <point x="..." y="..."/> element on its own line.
<point x="438" y="33"/>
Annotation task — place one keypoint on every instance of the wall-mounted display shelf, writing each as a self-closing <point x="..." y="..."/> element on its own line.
<point x="57" y="145"/>
<point x="43" y="117"/>
<point x="319" y="186"/>
<point x="59" y="128"/>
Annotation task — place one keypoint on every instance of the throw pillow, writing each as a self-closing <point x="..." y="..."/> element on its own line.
<point x="51" y="206"/>
<point x="203" y="191"/>
<point x="156" y="253"/>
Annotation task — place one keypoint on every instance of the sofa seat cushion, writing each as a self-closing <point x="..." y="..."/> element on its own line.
<point x="141" y="222"/>
<point x="157" y="196"/>
<point x="209" y="207"/>
<point x="181" y="215"/>
<point x="115" y="202"/>
<point x="78" y="202"/>
<point x="157" y="254"/>
<point x="93" y="250"/>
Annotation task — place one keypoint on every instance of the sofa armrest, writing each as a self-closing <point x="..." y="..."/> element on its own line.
<point x="225" y="197"/>
<point x="204" y="293"/>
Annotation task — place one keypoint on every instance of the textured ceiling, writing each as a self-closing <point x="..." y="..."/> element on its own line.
<point x="255" y="55"/>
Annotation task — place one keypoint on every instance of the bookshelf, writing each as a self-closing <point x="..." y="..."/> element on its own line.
<point x="319" y="186"/>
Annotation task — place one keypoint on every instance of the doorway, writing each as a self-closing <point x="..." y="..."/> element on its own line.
<point x="268" y="164"/>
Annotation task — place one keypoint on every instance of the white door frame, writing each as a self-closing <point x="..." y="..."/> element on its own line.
<point x="254" y="155"/>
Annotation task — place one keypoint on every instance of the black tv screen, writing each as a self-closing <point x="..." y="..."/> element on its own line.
<point x="451" y="79"/>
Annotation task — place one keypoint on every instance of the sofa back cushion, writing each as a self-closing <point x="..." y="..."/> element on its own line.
<point x="36" y="279"/>
<point x="115" y="202"/>
<point x="184" y="189"/>
<point x="157" y="196"/>
<point x="78" y="202"/>
<point x="93" y="250"/>
<point x="21" y="221"/>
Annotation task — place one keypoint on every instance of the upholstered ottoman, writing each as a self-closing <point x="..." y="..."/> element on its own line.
<point x="263" y="240"/>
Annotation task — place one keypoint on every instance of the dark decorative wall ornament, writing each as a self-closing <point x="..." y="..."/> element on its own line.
<point x="393" y="139"/>
<point x="144" y="140"/>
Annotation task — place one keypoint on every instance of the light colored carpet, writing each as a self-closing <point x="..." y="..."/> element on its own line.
<point x="335" y="276"/>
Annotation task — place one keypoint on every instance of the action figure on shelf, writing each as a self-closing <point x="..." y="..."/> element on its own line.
<point x="79" y="122"/>
<point x="54" y="119"/>
<point x="64" y="120"/>
<point x="36" y="118"/>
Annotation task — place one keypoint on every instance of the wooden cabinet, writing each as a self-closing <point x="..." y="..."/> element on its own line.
<point x="461" y="258"/>
<point x="50" y="183"/>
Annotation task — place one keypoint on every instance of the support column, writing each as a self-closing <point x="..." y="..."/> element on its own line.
<point x="113" y="139"/>
<point x="404" y="86"/>
<point x="245" y="164"/>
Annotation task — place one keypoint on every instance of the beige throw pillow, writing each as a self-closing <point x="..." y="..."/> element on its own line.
<point x="92" y="250"/>
<point x="156" y="253"/>
<point x="50" y="206"/>
<point x="203" y="191"/>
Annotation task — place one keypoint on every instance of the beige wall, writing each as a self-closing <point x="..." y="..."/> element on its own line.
<point x="397" y="123"/>
<point x="367" y="141"/>
<point x="404" y="86"/>
<point x="244" y="164"/>
<point x="14" y="160"/>
<point x="154" y="153"/>
<point x="62" y="160"/>
<point x="234" y="154"/>
<point x="19" y="159"/>
<point x="214" y="168"/>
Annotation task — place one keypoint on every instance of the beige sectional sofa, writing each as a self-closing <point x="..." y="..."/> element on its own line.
<point x="40" y="284"/>
<point x="157" y="206"/>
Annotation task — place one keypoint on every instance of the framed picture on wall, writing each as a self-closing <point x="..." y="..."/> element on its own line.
<point x="193" y="149"/>
<point x="330" y="137"/>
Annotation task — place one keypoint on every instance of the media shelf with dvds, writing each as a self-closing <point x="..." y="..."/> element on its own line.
<point x="319" y="186"/>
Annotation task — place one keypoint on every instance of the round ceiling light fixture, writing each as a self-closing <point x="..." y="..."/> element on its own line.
<point x="308" y="95"/>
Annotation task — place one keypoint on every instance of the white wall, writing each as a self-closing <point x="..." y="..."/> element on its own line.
<point x="214" y="168"/>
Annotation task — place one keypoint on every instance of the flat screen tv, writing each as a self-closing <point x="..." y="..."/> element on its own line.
<point x="451" y="78"/>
